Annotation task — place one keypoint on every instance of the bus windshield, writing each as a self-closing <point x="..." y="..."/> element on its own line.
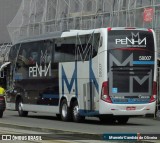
<point x="130" y="39"/>
<point x="130" y="63"/>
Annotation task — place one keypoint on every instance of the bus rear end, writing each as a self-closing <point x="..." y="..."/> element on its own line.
<point x="130" y="88"/>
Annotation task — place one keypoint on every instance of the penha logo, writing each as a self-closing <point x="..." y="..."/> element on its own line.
<point x="134" y="41"/>
<point x="42" y="70"/>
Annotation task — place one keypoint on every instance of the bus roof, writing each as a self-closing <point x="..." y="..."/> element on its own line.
<point x="52" y="35"/>
<point x="128" y="28"/>
<point x="41" y="37"/>
<point x="80" y="32"/>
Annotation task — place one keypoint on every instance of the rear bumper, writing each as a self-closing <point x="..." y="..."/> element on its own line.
<point x="121" y="109"/>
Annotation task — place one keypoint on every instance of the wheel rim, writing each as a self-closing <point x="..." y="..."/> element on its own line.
<point x="20" y="107"/>
<point x="64" y="110"/>
<point x="75" y="111"/>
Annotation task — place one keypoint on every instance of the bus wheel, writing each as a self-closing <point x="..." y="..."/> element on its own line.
<point x="65" y="111"/>
<point x="122" y="119"/>
<point x="75" y="113"/>
<point x="20" y="109"/>
<point x="1" y="114"/>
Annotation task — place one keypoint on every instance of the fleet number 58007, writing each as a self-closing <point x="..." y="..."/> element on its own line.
<point x="145" y="58"/>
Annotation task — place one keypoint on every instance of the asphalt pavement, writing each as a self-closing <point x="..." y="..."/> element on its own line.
<point x="53" y="130"/>
<point x="17" y="135"/>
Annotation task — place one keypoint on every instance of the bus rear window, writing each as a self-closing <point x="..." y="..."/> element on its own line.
<point x="130" y="39"/>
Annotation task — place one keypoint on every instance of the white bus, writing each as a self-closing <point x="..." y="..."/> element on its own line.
<point x="109" y="73"/>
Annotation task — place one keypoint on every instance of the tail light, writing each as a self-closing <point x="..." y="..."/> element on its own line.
<point x="154" y="92"/>
<point x="150" y="30"/>
<point x="105" y="92"/>
<point x="109" y="28"/>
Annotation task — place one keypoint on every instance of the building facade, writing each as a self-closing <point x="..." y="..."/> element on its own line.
<point x="36" y="17"/>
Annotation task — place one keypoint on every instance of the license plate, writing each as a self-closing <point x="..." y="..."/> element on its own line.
<point x="131" y="108"/>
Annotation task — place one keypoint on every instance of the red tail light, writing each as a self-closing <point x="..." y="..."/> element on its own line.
<point x="105" y="92"/>
<point x="154" y="92"/>
<point x="150" y="30"/>
<point x="109" y="28"/>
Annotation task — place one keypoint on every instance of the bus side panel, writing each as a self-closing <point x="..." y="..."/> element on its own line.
<point x="102" y="77"/>
<point x="79" y="79"/>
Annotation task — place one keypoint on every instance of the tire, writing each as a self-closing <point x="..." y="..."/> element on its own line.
<point x="1" y="114"/>
<point x="20" y="110"/>
<point x="65" y="111"/>
<point x="75" y="113"/>
<point x="122" y="119"/>
<point x="107" y="119"/>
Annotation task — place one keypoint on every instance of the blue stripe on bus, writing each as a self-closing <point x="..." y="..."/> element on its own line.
<point x="73" y="80"/>
<point x="143" y="62"/>
<point x="92" y="77"/>
<point x="88" y="112"/>
<point x="18" y="76"/>
<point x="54" y="96"/>
<point x="132" y="101"/>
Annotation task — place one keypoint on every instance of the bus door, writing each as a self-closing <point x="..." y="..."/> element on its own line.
<point x="89" y="96"/>
<point x="130" y="66"/>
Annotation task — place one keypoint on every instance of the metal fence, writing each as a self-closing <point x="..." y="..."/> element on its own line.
<point x="37" y="17"/>
<point x="4" y="52"/>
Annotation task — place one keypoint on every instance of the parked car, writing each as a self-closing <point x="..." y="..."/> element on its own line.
<point x="2" y="105"/>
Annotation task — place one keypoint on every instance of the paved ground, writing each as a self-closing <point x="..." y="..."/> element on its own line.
<point x="91" y="125"/>
<point x="46" y="123"/>
<point x="26" y="136"/>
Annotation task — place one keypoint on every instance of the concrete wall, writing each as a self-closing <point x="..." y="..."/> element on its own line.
<point x="8" y="10"/>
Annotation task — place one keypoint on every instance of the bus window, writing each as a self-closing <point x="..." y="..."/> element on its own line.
<point x="80" y="48"/>
<point x="47" y="51"/>
<point x="65" y="52"/>
<point x="87" y="46"/>
<point x="130" y="62"/>
<point x="14" y="52"/>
